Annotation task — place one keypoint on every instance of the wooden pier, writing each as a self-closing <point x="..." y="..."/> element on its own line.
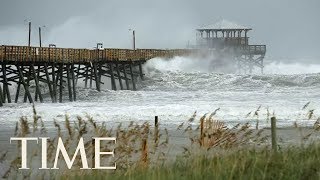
<point x="60" y="69"/>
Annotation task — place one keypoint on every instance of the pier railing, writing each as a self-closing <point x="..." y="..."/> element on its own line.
<point x="70" y="55"/>
<point x="252" y="49"/>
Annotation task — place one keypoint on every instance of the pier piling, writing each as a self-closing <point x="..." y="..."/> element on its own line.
<point x="132" y="78"/>
<point x="125" y="76"/>
<point x="119" y="75"/>
<point x="73" y="83"/>
<point x="61" y="82"/>
<point x="25" y="85"/>
<point x="1" y="99"/>
<point x="113" y="82"/>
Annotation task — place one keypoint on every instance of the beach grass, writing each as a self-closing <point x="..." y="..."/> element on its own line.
<point x="211" y="151"/>
<point x="290" y="163"/>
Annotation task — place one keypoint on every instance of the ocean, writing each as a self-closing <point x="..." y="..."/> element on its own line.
<point x="175" y="89"/>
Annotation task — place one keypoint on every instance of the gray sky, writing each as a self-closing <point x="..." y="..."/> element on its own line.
<point x="290" y="28"/>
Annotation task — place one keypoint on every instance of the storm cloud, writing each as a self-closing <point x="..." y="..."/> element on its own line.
<point x="289" y="28"/>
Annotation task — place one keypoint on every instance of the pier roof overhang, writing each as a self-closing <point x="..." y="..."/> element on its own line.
<point x="224" y="25"/>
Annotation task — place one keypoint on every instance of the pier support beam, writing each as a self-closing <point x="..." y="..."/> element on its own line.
<point x="69" y="82"/>
<point x="132" y="78"/>
<point x="73" y="83"/>
<point x="119" y="76"/>
<point x="61" y="82"/>
<point x="91" y="73"/>
<point x="86" y="76"/>
<point x="140" y="69"/>
<point x="25" y="85"/>
<point x="78" y="72"/>
<point x="125" y="76"/>
<point x="1" y="100"/>
<point x="48" y="81"/>
<point x="54" y="83"/>
<point x="38" y="75"/>
<point x="35" y="76"/>
<point x="113" y="82"/>
<point x="96" y="76"/>
<point x="100" y="74"/>
<point x="17" y="91"/>
<point x="6" y="92"/>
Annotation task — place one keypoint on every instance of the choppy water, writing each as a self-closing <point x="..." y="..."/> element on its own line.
<point x="175" y="89"/>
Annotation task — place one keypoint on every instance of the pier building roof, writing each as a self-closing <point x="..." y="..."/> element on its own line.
<point x="224" y="25"/>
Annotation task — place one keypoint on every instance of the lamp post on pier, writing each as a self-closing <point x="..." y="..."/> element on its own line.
<point x="133" y="38"/>
<point x="40" y="40"/>
<point x="29" y="39"/>
<point x="29" y="32"/>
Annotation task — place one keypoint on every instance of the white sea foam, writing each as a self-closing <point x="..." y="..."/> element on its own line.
<point x="174" y="89"/>
<point x="292" y="68"/>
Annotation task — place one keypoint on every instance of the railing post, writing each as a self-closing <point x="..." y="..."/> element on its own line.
<point x="273" y="134"/>
<point x="156" y="130"/>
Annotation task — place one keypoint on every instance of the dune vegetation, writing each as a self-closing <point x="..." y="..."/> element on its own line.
<point x="211" y="150"/>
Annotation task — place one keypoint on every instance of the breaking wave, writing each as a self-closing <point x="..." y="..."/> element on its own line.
<point x="174" y="89"/>
<point x="193" y="74"/>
